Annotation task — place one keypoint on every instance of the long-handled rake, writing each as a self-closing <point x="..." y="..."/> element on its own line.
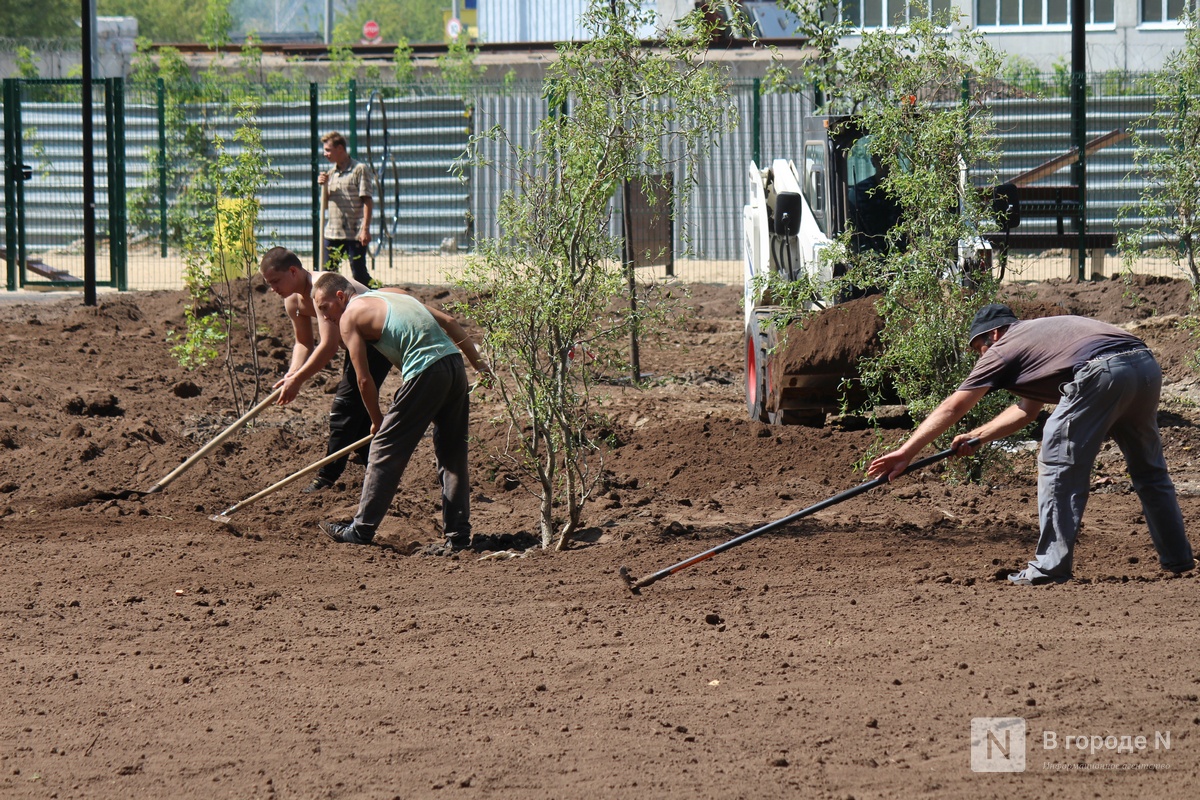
<point x="223" y="517"/>
<point x="636" y="585"/>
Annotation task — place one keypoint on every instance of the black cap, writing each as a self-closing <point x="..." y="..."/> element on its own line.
<point x="990" y="317"/>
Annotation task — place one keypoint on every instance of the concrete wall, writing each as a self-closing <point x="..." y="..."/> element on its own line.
<point x="113" y="49"/>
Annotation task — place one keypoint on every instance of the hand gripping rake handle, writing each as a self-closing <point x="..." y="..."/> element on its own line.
<point x="208" y="448"/>
<point x="295" y="476"/>
<point x="636" y="585"/>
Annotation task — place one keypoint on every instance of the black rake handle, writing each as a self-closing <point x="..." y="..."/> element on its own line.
<point x="770" y="526"/>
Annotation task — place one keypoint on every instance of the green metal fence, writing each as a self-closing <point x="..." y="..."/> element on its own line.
<point x="1036" y="142"/>
<point x="152" y="138"/>
<point x="44" y="227"/>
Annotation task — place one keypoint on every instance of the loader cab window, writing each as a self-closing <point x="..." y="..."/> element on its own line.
<point x="814" y="182"/>
<point x="860" y="166"/>
<point x="871" y="213"/>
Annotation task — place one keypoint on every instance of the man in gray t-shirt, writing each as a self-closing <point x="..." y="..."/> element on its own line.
<point x="1103" y="382"/>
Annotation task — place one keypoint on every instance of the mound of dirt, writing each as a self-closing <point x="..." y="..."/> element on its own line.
<point x="833" y="340"/>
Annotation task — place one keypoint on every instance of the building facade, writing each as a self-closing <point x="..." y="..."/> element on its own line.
<point x="1128" y="35"/>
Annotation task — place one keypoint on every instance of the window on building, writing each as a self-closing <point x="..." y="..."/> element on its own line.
<point x="996" y="13"/>
<point x="1164" y="10"/>
<point x="888" y="13"/>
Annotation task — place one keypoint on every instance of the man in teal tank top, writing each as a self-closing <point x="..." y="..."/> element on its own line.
<point x="424" y="343"/>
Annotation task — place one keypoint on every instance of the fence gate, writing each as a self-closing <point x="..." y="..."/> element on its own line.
<point x="43" y="194"/>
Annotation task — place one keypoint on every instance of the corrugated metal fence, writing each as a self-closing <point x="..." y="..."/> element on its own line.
<point x="431" y="206"/>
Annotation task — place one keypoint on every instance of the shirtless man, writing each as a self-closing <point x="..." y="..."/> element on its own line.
<point x="348" y="417"/>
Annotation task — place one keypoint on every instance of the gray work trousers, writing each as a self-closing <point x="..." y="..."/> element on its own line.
<point x="1116" y="396"/>
<point x="438" y="396"/>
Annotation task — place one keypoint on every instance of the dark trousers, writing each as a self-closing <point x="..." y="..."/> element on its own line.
<point x="438" y="396"/>
<point x="353" y="252"/>
<point x="349" y="420"/>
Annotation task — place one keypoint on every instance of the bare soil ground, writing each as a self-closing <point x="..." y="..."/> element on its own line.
<point x="150" y="652"/>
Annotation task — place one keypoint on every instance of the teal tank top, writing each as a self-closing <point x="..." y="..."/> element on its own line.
<point x="411" y="338"/>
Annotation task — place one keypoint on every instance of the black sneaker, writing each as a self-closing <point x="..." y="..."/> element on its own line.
<point x="458" y="542"/>
<point x="318" y="483"/>
<point x="344" y="533"/>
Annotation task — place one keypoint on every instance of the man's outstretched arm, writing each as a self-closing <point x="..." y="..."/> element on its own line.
<point x="948" y="412"/>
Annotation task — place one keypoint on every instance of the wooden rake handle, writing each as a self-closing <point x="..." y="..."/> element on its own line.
<point x="217" y="440"/>
<point x="295" y="476"/>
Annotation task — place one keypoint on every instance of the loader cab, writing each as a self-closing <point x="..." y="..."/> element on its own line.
<point x="853" y="175"/>
<point x="795" y="209"/>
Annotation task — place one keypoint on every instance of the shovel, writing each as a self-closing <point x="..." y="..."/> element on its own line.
<point x="223" y="517"/>
<point x="636" y="586"/>
<point x="126" y="494"/>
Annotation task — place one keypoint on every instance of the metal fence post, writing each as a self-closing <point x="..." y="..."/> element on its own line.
<point x="313" y="124"/>
<point x="1078" y="16"/>
<point x="162" y="166"/>
<point x="12" y="173"/>
<point x="1079" y="137"/>
<point x="114" y="105"/>
<point x="354" y="118"/>
<point x="18" y="152"/>
<point x="757" y="134"/>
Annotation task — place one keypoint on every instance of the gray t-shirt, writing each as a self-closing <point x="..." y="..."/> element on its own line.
<point x="1036" y="356"/>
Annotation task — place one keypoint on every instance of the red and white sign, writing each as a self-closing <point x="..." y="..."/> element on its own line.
<point x="370" y="29"/>
<point x="454" y="27"/>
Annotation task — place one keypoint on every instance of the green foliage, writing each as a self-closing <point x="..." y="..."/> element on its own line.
<point x="399" y="21"/>
<point x="1023" y="75"/>
<point x="199" y="344"/>
<point x="218" y="22"/>
<point x="27" y="67"/>
<point x="458" y="68"/>
<point x="158" y="21"/>
<point x="250" y="59"/>
<point x="39" y="19"/>
<point x="346" y="66"/>
<point x="898" y="83"/>
<point x="220" y="247"/>
<point x="1167" y="158"/>
<point x="149" y="65"/>
<point x="403" y="69"/>
<point x="548" y="290"/>
<point x="188" y="146"/>
<point x="188" y="125"/>
<point x="905" y="89"/>
<point x="823" y="34"/>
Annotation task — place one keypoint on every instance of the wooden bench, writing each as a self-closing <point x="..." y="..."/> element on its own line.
<point x="1060" y="203"/>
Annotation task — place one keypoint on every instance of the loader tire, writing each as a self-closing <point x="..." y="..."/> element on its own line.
<point x="760" y="341"/>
